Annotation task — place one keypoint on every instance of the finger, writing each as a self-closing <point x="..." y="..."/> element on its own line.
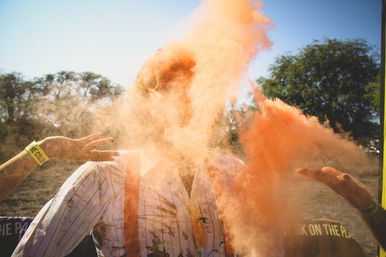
<point x="107" y="155"/>
<point x="304" y="171"/>
<point x="332" y="172"/>
<point x="348" y="179"/>
<point x="353" y="182"/>
<point x="338" y="176"/>
<point x="323" y="176"/>
<point x="98" y="143"/>
<point x="87" y="139"/>
<point x="312" y="174"/>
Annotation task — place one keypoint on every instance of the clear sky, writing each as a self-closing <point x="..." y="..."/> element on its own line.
<point x="114" y="37"/>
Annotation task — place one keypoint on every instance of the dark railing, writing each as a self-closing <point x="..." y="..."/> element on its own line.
<point x="319" y="237"/>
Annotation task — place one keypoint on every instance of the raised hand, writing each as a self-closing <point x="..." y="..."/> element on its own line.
<point x="343" y="184"/>
<point x="82" y="149"/>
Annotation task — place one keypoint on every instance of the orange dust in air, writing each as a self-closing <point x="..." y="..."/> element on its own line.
<point x="279" y="140"/>
<point x="184" y="87"/>
<point x="223" y="38"/>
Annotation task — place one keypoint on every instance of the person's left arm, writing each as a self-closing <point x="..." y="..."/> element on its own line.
<point x="15" y="170"/>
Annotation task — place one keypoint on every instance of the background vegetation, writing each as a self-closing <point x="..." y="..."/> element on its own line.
<point x="336" y="81"/>
<point x="50" y="105"/>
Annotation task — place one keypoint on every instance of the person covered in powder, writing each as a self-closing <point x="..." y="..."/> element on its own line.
<point x="139" y="205"/>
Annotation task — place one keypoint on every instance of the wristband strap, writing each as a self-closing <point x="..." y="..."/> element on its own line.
<point x="372" y="209"/>
<point x="37" y="153"/>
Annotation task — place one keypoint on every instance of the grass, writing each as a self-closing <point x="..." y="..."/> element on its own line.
<point x="37" y="189"/>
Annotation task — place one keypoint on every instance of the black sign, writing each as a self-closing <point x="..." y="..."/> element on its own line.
<point x="11" y="231"/>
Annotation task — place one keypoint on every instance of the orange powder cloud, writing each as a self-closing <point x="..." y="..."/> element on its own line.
<point x="221" y="40"/>
<point x="279" y="139"/>
<point x="223" y="36"/>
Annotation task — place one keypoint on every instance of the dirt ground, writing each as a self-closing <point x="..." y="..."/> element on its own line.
<point x="36" y="190"/>
<point x="319" y="201"/>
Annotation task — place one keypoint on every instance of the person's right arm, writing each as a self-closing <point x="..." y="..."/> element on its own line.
<point x="377" y="224"/>
<point x="357" y="195"/>
<point x="77" y="207"/>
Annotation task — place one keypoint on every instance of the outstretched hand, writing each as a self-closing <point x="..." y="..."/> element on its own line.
<point x="82" y="149"/>
<point x="343" y="184"/>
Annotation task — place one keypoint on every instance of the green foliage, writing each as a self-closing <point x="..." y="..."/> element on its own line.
<point x="330" y="80"/>
<point x="374" y="93"/>
<point x="16" y="98"/>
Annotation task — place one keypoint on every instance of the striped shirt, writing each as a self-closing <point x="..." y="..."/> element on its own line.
<point x="170" y="223"/>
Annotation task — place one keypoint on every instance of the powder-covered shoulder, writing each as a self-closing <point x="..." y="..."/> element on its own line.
<point x="224" y="162"/>
<point x="91" y="171"/>
<point x="111" y="170"/>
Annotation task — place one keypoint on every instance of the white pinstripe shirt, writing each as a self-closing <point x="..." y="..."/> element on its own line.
<point x="92" y="200"/>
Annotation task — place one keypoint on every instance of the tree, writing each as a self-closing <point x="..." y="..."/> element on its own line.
<point x="58" y="85"/>
<point x="16" y="98"/>
<point x="87" y="86"/>
<point x="330" y="79"/>
<point x="374" y="93"/>
<point x="95" y="86"/>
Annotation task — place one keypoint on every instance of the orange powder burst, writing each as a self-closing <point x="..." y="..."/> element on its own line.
<point x="205" y="67"/>
<point x="280" y="138"/>
<point x="224" y="36"/>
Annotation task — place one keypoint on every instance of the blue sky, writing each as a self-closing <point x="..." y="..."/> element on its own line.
<point x="114" y="37"/>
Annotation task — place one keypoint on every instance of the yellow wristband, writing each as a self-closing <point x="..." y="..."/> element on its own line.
<point x="37" y="153"/>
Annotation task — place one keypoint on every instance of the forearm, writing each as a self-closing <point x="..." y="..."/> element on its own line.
<point x="14" y="171"/>
<point x="377" y="224"/>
